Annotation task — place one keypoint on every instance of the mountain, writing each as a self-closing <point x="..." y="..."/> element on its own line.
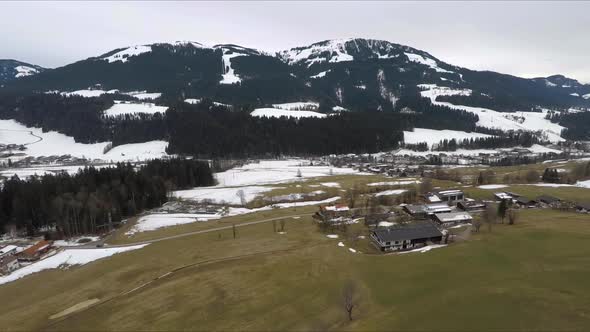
<point x="13" y="69"/>
<point x="357" y="74"/>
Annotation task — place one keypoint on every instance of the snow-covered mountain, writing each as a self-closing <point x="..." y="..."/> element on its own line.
<point x="356" y="74"/>
<point x="13" y="69"/>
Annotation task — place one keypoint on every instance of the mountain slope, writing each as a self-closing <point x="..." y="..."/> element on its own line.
<point x="13" y="69"/>
<point x="357" y="74"/>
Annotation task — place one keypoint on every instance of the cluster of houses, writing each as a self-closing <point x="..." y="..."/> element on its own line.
<point x="429" y="220"/>
<point x="542" y="202"/>
<point x="12" y="257"/>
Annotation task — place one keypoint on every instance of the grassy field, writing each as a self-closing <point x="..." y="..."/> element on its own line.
<point x="532" y="275"/>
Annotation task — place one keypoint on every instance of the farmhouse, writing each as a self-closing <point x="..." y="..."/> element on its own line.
<point x="35" y="251"/>
<point x="583" y="207"/>
<point x="451" y="196"/>
<point x="8" y="264"/>
<point x="404" y="237"/>
<point x="472" y="206"/>
<point x="525" y="202"/>
<point x="548" y="200"/>
<point x="503" y="196"/>
<point x="423" y="211"/>
<point x="8" y="251"/>
<point x="452" y="218"/>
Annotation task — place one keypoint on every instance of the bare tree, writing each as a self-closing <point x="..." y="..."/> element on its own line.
<point x="425" y="186"/>
<point x="349" y="297"/>
<point x="352" y="195"/>
<point x="476" y="225"/>
<point x="489" y="215"/>
<point x="242" y="195"/>
<point x="512" y="217"/>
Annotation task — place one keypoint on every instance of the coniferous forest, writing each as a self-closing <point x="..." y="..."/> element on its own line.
<point x="94" y="199"/>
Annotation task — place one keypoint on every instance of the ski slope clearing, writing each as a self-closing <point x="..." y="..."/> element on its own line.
<point x="277" y="113"/>
<point x="122" y="108"/>
<point x="426" y="61"/>
<point x="432" y="136"/>
<point x="66" y="258"/>
<point x="301" y="105"/>
<point x="529" y="121"/>
<point x="229" y="75"/>
<point x="52" y="143"/>
<point x="127" y="53"/>
<point x="334" y="49"/>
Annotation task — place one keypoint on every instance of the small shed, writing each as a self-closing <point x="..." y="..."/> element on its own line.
<point x="452" y="218"/>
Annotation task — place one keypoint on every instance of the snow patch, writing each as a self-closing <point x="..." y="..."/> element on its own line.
<point x="277" y="113"/>
<point x="122" y="108"/>
<point x="65" y="258"/>
<point x="22" y="71"/>
<point x="492" y="186"/>
<point x="433" y="136"/>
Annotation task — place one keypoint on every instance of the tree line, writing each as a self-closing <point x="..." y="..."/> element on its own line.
<point x="94" y="199"/>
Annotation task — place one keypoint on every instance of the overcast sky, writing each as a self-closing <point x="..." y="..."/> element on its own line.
<point x="526" y="38"/>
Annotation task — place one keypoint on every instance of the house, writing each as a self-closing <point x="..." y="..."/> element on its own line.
<point x="8" y="264"/>
<point x="472" y="206"/>
<point x="35" y="251"/>
<point x="8" y="251"/>
<point x="405" y="237"/>
<point x="330" y="212"/>
<point x="452" y="218"/>
<point x="503" y="196"/>
<point x="583" y="207"/>
<point x="525" y="202"/>
<point x="425" y="210"/>
<point x="432" y="198"/>
<point x="451" y="196"/>
<point x="548" y="200"/>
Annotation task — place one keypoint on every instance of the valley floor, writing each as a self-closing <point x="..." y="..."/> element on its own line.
<point x="198" y="276"/>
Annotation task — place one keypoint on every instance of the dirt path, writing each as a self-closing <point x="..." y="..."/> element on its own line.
<point x="83" y="306"/>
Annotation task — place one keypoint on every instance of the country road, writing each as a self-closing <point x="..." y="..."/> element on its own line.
<point x="93" y="245"/>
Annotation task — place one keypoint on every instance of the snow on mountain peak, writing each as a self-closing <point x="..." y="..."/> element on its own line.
<point x="124" y="54"/>
<point x="22" y="71"/>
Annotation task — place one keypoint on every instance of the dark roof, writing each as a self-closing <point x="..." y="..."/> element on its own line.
<point x="407" y="232"/>
<point x="524" y="200"/>
<point x="547" y="199"/>
<point x="585" y="206"/>
<point x="471" y="204"/>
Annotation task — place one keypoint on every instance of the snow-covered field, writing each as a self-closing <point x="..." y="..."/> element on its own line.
<point x="142" y="95"/>
<point x="432" y="136"/>
<point x="533" y="121"/>
<point x="276" y="171"/>
<point x="250" y="178"/>
<point x="390" y="192"/>
<point x="152" y="222"/>
<point x="300" y="105"/>
<point x="277" y="113"/>
<point x="52" y="143"/>
<point x="394" y="183"/>
<point x="492" y="186"/>
<point x="122" y="108"/>
<point x="194" y="101"/>
<point x="583" y="184"/>
<point x="222" y="195"/>
<point x="66" y="258"/>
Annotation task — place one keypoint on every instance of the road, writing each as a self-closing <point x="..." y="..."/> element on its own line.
<point x="98" y="244"/>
